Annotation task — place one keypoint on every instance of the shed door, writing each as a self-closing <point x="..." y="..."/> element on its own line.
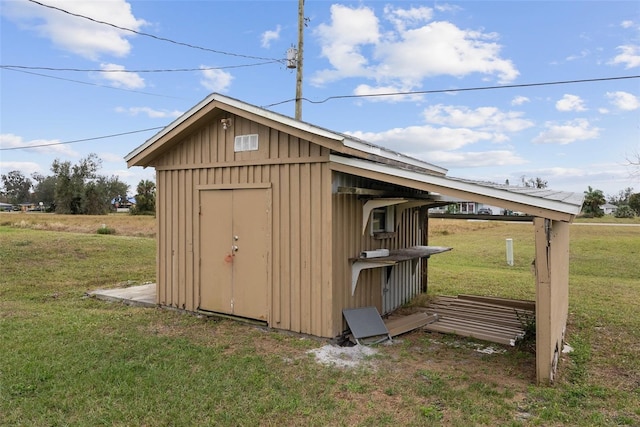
<point x="234" y="251"/>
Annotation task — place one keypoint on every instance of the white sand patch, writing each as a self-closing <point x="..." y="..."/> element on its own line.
<point x="343" y="357"/>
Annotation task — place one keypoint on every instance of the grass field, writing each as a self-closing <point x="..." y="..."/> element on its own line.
<point x="66" y="359"/>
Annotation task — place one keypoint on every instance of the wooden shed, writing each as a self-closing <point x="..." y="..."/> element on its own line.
<point x="264" y="217"/>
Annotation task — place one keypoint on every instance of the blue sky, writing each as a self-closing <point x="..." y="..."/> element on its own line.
<point x="571" y="135"/>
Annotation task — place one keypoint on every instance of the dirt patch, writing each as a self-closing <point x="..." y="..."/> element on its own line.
<point x="344" y="357"/>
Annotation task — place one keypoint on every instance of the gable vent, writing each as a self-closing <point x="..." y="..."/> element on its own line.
<point x="245" y="143"/>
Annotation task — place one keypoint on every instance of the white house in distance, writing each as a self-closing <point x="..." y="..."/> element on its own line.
<point x="609" y="209"/>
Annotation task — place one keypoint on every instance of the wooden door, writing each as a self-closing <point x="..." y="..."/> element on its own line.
<point x="234" y="251"/>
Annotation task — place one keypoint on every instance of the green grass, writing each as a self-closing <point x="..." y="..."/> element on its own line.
<point x="67" y="359"/>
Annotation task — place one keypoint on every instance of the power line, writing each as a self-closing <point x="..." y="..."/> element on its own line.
<point x="425" y="92"/>
<point x="346" y="97"/>
<point x="92" y="84"/>
<point x="158" y="70"/>
<point x="140" y="33"/>
<point x="81" y="140"/>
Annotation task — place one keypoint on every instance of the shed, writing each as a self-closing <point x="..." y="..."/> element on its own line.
<point x="264" y="217"/>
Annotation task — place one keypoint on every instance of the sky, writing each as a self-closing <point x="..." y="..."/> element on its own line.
<point x="490" y="90"/>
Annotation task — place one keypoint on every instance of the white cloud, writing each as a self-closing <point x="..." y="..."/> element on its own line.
<point x="356" y="45"/>
<point x="455" y="128"/>
<point x="627" y="24"/>
<point x="26" y="168"/>
<point x="342" y="41"/>
<point x="485" y="118"/>
<point x="78" y="35"/>
<point x="215" y="80"/>
<point x="9" y="140"/>
<point x="570" y="103"/>
<point x="444" y="7"/>
<point x="624" y="100"/>
<point x="269" y="36"/>
<point x="519" y="100"/>
<point x="572" y="131"/>
<point x="629" y="56"/>
<point x="473" y="159"/>
<point x="150" y="112"/>
<point x="118" y="77"/>
<point x="583" y="54"/>
<point x="417" y="139"/>
<point x="403" y="18"/>
<point x="111" y="157"/>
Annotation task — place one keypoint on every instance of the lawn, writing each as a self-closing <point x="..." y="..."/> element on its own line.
<point x="67" y="359"/>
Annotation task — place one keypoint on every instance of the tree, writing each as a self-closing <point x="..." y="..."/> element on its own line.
<point x="44" y="190"/>
<point x="634" y="203"/>
<point x="634" y="163"/>
<point x="104" y="190"/>
<point x="16" y="187"/>
<point x="593" y="199"/>
<point x="624" y="211"/>
<point x="145" y="199"/>
<point x="71" y="182"/>
<point x="115" y="187"/>
<point x="536" y="182"/>
<point x="622" y="198"/>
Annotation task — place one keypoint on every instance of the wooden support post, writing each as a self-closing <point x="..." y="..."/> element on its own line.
<point x="552" y="294"/>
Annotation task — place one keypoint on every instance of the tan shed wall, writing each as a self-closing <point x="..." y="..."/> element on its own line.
<point x="301" y="284"/>
<point x="552" y="294"/>
<point x="349" y="242"/>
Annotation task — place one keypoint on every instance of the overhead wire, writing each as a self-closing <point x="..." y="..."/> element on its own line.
<point x="468" y="89"/>
<point x="157" y="70"/>
<point x="94" y="84"/>
<point x="164" y="39"/>
<point x="81" y="140"/>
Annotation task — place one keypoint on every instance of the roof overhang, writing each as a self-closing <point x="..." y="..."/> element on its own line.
<point x="561" y="206"/>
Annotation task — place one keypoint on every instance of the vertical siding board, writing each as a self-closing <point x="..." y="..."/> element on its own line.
<point x="221" y="144"/>
<point x="168" y="240"/>
<point x="306" y="230"/>
<point x="203" y="175"/>
<point x="294" y="239"/>
<point x="326" y="296"/>
<point x="161" y="209"/>
<point x="316" y="255"/>
<point x="189" y="235"/>
<point x="294" y="147"/>
<point x="283" y="145"/>
<point x="164" y="255"/>
<point x="181" y="244"/>
<point x="274" y="144"/>
<point x="174" y="237"/>
<point x="276" y="259"/>
<point x="285" y="248"/>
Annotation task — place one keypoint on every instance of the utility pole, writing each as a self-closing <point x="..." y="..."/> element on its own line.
<point x="301" y="23"/>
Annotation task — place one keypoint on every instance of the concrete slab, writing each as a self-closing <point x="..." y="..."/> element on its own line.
<point x="143" y="295"/>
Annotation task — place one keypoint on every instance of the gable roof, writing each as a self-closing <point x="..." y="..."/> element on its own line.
<point x="355" y="156"/>
<point x="345" y="144"/>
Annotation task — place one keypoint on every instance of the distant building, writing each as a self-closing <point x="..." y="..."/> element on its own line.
<point x="609" y="209"/>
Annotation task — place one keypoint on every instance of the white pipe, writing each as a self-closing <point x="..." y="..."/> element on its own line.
<point x="510" y="252"/>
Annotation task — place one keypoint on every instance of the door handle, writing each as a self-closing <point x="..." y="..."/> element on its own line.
<point x="234" y="248"/>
